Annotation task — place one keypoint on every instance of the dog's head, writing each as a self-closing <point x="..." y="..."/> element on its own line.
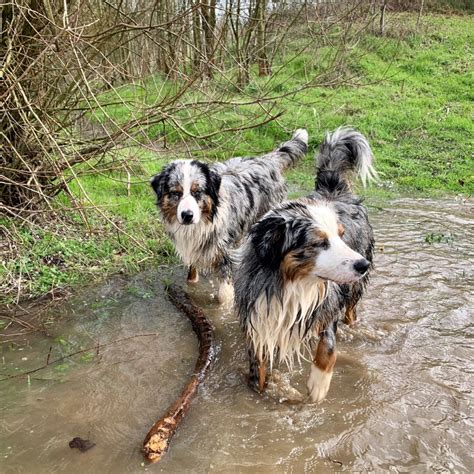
<point x="304" y="240"/>
<point x="187" y="192"/>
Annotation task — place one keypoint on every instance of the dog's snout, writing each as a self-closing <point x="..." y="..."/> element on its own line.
<point x="187" y="216"/>
<point x="361" y="266"/>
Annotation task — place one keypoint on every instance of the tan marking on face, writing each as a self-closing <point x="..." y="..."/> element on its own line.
<point x="294" y="268"/>
<point x="340" y="230"/>
<point x="194" y="187"/>
<point x="323" y="359"/>
<point x="168" y="209"/>
<point x="321" y="235"/>
<point x="205" y="205"/>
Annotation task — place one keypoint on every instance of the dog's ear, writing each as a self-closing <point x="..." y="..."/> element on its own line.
<point x="158" y="184"/>
<point x="268" y="238"/>
<point x="213" y="187"/>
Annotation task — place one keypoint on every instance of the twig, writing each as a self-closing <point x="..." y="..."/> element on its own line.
<point x="60" y="359"/>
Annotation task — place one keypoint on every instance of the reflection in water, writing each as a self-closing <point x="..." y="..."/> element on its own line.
<point x="400" y="396"/>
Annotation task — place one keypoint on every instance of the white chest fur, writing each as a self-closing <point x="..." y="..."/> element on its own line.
<point x="281" y="324"/>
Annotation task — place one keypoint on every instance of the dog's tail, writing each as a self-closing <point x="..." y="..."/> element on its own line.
<point x="290" y="152"/>
<point x="343" y="154"/>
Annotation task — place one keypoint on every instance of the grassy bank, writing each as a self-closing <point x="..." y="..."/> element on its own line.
<point x="411" y="95"/>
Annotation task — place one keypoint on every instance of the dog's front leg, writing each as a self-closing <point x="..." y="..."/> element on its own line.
<point x="225" y="293"/>
<point x="350" y="317"/>
<point x="257" y="372"/>
<point x="193" y="274"/>
<point x="323" y="364"/>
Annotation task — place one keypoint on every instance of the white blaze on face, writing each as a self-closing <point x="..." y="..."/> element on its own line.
<point x="187" y="203"/>
<point x="337" y="262"/>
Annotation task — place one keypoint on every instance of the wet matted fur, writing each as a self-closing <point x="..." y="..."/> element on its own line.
<point x="208" y="208"/>
<point x="305" y="264"/>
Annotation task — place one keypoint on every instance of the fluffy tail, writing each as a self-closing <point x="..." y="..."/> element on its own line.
<point x="343" y="153"/>
<point x="291" y="151"/>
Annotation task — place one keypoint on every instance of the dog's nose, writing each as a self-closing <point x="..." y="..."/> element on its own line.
<point x="187" y="217"/>
<point x="361" y="266"/>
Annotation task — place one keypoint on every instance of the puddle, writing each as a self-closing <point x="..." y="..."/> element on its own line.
<point x="400" y="398"/>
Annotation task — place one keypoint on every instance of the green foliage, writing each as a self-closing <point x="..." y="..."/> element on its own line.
<point x="65" y="255"/>
<point x="411" y="95"/>
<point x="438" y="238"/>
<point x="461" y="6"/>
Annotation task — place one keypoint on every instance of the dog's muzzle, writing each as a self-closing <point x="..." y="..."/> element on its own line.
<point x="188" y="211"/>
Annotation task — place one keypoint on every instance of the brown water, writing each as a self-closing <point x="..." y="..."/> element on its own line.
<point x="400" y="399"/>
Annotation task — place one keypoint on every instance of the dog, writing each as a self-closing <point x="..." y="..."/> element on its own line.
<point x="305" y="265"/>
<point x="208" y="208"/>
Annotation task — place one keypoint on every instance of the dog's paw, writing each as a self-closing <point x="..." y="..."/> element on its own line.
<point x="279" y="387"/>
<point x="225" y="294"/>
<point x="193" y="280"/>
<point x="318" y="383"/>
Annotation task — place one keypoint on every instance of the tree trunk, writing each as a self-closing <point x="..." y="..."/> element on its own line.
<point x="208" y="10"/>
<point x="262" y="59"/>
<point x="383" y="7"/>
<point x="171" y="41"/>
<point x="197" y="55"/>
<point x="241" y="51"/>
<point x="420" y="12"/>
<point x="25" y="179"/>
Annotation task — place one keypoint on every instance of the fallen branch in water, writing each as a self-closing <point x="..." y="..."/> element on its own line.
<point x="157" y="440"/>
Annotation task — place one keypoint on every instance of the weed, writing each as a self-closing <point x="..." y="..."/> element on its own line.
<point x="438" y="238"/>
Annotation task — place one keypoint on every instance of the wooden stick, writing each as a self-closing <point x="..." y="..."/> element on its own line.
<point x="158" y="439"/>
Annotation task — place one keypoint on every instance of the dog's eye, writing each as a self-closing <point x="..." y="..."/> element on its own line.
<point x="196" y="194"/>
<point x="174" y="194"/>
<point x="321" y="244"/>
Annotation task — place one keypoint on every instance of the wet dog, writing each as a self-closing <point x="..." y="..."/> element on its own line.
<point x="207" y="209"/>
<point x="305" y="265"/>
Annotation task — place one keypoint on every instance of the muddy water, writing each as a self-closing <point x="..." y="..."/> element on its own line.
<point x="400" y="399"/>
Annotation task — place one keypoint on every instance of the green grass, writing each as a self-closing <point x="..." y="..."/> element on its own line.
<point x="412" y="97"/>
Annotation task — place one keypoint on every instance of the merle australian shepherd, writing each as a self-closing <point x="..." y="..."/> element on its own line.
<point x="207" y="209"/>
<point x="305" y="265"/>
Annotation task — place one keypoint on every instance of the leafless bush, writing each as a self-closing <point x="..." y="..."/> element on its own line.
<point x="64" y="62"/>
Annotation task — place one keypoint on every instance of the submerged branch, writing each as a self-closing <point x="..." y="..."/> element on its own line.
<point x="158" y="439"/>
